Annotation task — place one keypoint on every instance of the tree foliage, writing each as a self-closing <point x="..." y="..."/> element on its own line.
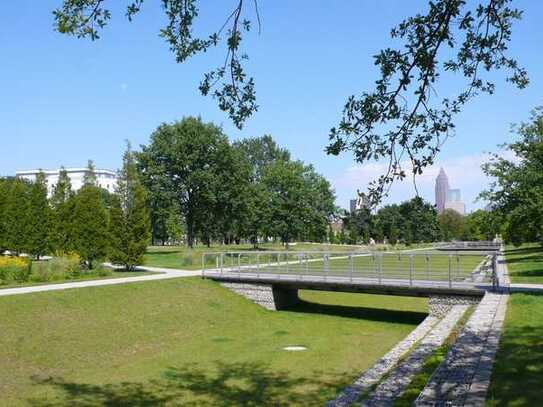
<point x="38" y="218"/>
<point x="516" y="195"/>
<point x="90" y="222"/>
<point x="451" y="225"/>
<point x="62" y="204"/>
<point x="189" y="158"/>
<point x="129" y="224"/>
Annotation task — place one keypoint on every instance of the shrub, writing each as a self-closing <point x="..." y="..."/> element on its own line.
<point x="14" y="269"/>
<point x="58" y="268"/>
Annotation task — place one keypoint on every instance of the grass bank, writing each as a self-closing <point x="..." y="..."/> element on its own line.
<point x="517" y="376"/>
<point x="190" y="342"/>
<point x="525" y="263"/>
<point x="518" y="371"/>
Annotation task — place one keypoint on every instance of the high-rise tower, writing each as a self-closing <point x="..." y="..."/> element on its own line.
<point x="442" y="188"/>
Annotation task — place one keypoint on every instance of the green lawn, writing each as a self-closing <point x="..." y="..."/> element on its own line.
<point x="525" y="263"/>
<point x="517" y="378"/>
<point x="190" y="342"/>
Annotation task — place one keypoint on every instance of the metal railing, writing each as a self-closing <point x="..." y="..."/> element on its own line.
<point x="453" y="269"/>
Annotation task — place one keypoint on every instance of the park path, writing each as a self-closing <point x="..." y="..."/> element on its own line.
<point x="162" y="274"/>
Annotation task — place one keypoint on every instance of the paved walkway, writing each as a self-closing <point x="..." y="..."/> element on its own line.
<point x="164" y="274"/>
<point x="462" y="379"/>
<point x="395" y="384"/>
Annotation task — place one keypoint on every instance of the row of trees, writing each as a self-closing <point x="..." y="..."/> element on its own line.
<point x="414" y="221"/>
<point x="92" y="223"/>
<point x="220" y="191"/>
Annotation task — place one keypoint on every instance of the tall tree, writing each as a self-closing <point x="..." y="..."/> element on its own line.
<point x="90" y="221"/>
<point x="187" y="158"/>
<point x="89" y="178"/>
<point x="300" y="201"/>
<point x="517" y="192"/>
<point x="39" y="217"/>
<point x="16" y="213"/>
<point x="129" y="226"/>
<point x="5" y="186"/>
<point x="260" y="152"/>
<point x="62" y="205"/>
<point x="419" y="221"/>
<point x="397" y="119"/>
<point x="451" y="225"/>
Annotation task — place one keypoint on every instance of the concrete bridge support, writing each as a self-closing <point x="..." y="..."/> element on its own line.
<point x="269" y="296"/>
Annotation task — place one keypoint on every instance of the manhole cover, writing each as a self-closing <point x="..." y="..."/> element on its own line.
<point x="294" y="348"/>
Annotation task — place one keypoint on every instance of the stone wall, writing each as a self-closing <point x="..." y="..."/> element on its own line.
<point x="269" y="296"/>
<point x="440" y="305"/>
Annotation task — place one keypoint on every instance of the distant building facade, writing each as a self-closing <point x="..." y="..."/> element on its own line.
<point x="442" y="188"/>
<point x="105" y="179"/>
<point x="447" y="198"/>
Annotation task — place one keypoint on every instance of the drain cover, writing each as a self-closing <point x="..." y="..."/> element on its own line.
<point x="294" y="348"/>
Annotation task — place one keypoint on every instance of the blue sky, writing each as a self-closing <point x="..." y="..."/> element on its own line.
<point x="66" y="100"/>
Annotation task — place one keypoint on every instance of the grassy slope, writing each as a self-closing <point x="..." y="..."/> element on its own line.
<point x="525" y="263"/>
<point x="518" y="373"/>
<point x="188" y="341"/>
<point x="517" y="378"/>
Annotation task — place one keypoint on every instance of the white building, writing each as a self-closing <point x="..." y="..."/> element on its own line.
<point x="106" y="179"/>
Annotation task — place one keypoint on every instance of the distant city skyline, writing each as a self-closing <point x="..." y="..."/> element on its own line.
<point x="447" y="197"/>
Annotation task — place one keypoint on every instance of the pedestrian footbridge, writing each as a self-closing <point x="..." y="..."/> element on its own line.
<point x="276" y="277"/>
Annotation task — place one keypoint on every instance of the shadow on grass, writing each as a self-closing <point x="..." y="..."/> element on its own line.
<point x="227" y="384"/>
<point x="518" y="373"/>
<point x="370" y="314"/>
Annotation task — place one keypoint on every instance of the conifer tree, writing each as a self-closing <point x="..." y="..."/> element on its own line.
<point x="89" y="178"/>
<point x="129" y="226"/>
<point x="37" y="226"/>
<point x="90" y="225"/>
<point x="16" y="216"/>
<point x="62" y="204"/>
<point x="5" y="186"/>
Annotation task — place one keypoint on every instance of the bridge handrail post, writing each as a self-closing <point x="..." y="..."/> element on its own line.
<point x="410" y="270"/>
<point x="449" y="269"/>
<point x="306" y="266"/>
<point x="495" y="280"/>
<point x="222" y="261"/>
<point x="258" y="266"/>
<point x="326" y="267"/>
<point x="428" y="266"/>
<point x="457" y="266"/>
<point x="286" y="258"/>
<point x="203" y="265"/>
<point x="351" y="267"/>
<point x="380" y="268"/>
